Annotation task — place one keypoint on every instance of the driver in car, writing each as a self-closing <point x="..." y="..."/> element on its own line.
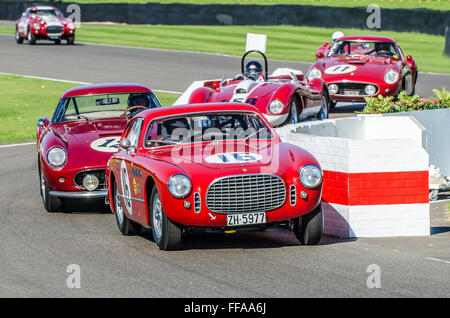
<point x="253" y="71"/>
<point x="137" y="102"/>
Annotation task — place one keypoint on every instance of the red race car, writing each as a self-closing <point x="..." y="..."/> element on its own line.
<point x="355" y="67"/>
<point x="283" y="97"/>
<point x="75" y="145"/>
<point x="44" y="23"/>
<point x="217" y="167"/>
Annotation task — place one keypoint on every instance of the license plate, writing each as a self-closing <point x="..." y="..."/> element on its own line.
<point x="246" y="218"/>
<point x="53" y="37"/>
<point x="351" y="92"/>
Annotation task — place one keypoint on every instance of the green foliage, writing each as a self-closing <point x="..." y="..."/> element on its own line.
<point x="405" y="103"/>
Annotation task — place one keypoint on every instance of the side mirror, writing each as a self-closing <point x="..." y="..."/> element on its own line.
<point x="409" y="58"/>
<point x="325" y="44"/>
<point x="42" y="122"/>
<point x="319" y="55"/>
<point x="125" y="143"/>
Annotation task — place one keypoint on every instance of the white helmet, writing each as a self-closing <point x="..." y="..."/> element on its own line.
<point x="336" y="35"/>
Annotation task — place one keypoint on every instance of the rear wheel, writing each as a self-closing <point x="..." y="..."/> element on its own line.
<point x="19" y="39"/>
<point x="308" y="228"/>
<point x="324" y="108"/>
<point x="51" y="203"/>
<point x="167" y="235"/>
<point x="125" y="225"/>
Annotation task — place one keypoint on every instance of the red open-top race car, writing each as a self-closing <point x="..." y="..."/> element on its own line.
<point x="44" y="23"/>
<point x="217" y="167"/>
<point x="74" y="146"/>
<point x="283" y="97"/>
<point x="355" y="67"/>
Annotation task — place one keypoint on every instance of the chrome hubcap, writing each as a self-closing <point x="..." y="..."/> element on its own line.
<point x="119" y="209"/>
<point x="157" y="216"/>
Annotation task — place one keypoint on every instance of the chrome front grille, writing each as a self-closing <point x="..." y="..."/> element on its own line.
<point x="99" y="173"/>
<point x="246" y="193"/>
<point x="54" y="30"/>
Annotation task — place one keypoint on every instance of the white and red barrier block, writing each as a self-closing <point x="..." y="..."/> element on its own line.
<point x="375" y="173"/>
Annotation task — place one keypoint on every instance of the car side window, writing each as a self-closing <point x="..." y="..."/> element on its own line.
<point x="134" y="132"/>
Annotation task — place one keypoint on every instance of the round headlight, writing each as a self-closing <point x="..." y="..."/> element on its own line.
<point x="179" y="186"/>
<point x="391" y="77"/>
<point x="314" y="73"/>
<point x="36" y="26"/>
<point x="333" y="88"/>
<point x="370" y="89"/>
<point x="56" y="157"/>
<point x="310" y="176"/>
<point x="90" y="182"/>
<point x="276" y="107"/>
<point x="71" y="25"/>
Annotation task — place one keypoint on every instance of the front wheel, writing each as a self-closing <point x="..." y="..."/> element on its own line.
<point x="167" y="235"/>
<point x="293" y="117"/>
<point x="19" y="39"/>
<point x="51" y="203"/>
<point x="31" y="38"/>
<point x="308" y="228"/>
<point x="125" y="225"/>
<point x="324" y="107"/>
<point x="70" y="40"/>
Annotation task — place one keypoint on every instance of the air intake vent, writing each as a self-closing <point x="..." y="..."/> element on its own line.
<point x="293" y="195"/>
<point x="197" y="202"/>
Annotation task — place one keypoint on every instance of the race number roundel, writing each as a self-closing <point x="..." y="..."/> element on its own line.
<point x="106" y="144"/>
<point x="340" y="69"/>
<point x="233" y="157"/>
<point x="126" y="189"/>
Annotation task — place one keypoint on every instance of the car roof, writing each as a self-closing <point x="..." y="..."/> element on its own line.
<point x="42" y="8"/>
<point x="112" y="88"/>
<point x="366" y="38"/>
<point x="197" y="108"/>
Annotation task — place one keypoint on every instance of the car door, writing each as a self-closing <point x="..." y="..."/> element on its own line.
<point x="130" y="174"/>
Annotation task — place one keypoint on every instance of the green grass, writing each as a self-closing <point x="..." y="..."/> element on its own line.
<point x="429" y="4"/>
<point x="283" y="42"/>
<point x="20" y="108"/>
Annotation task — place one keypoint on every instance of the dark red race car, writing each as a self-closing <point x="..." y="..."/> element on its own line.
<point x="44" y="23"/>
<point x="216" y="167"/>
<point x="355" y="67"/>
<point x="283" y="97"/>
<point x="75" y="145"/>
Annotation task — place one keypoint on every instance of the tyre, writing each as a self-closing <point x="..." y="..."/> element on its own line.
<point x="293" y="117"/>
<point x="308" y="228"/>
<point x="325" y="107"/>
<point x="58" y="41"/>
<point x="70" y="40"/>
<point x="31" y="38"/>
<point x="125" y="225"/>
<point x="433" y="196"/>
<point x="19" y="39"/>
<point x="51" y="203"/>
<point x="408" y="85"/>
<point x="167" y="235"/>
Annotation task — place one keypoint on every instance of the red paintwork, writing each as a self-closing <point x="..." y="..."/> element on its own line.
<point x="156" y="166"/>
<point x="27" y="22"/>
<point x="283" y="88"/>
<point x="370" y="69"/>
<point x="76" y="136"/>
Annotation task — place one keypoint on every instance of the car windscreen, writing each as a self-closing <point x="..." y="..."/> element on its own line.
<point x="373" y="48"/>
<point x="195" y="128"/>
<point x="42" y="12"/>
<point x="93" y="107"/>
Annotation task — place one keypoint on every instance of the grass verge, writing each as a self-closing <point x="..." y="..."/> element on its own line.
<point x="405" y="4"/>
<point x="25" y="100"/>
<point x="283" y="42"/>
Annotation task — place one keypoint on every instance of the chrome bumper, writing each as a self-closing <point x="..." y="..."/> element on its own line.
<point x="79" y="195"/>
<point x="276" y="120"/>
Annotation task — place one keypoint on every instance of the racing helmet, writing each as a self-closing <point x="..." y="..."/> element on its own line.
<point x="139" y="99"/>
<point x="253" y="69"/>
<point x="336" y="35"/>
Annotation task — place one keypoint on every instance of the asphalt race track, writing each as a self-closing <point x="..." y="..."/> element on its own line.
<point x="36" y="247"/>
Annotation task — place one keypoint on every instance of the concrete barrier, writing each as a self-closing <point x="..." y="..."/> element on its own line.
<point x="375" y="174"/>
<point x="411" y="20"/>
